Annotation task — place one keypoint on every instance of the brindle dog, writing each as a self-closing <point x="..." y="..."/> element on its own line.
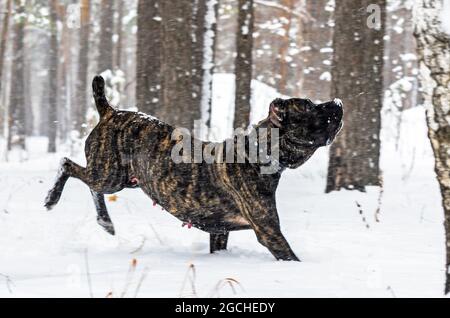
<point x="130" y="149"/>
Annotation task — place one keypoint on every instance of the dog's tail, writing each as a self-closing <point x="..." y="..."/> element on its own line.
<point x="98" y="86"/>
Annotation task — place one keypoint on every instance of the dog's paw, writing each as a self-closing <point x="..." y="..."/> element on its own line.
<point x="106" y="224"/>
<point x="51" y="200"/>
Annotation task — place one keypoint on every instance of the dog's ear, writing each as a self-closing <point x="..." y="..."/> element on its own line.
<point x="276" y="112"/>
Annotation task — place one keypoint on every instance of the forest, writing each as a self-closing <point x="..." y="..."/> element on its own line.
<point x="377" y="198"/>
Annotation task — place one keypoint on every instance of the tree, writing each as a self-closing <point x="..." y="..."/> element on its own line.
<point x="53" y="76"/>
<point x="317" y="37"/>
<point x="199" y="11"/>
<point x="105" y="54"/>
<point x="148" y="57"/>
<point x="284" y="47"/>
<point x="357" y="79"/>
<point x="16" y="111"/>
<point x="177" y="65"/>
<point x="434" y="51"/>
<point x="83" y="64"/>
<point x="243" y="63"/>
<point x="120" y="35"/>
<point x="209" y="60"/>
<point x="3" y="39"/>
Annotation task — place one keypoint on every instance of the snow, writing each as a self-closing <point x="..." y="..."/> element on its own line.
<point x="345" y="252"/>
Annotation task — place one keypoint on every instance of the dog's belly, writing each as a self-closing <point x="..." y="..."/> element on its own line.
<point x="211" y="213"/>
<point x="189" y="193"/>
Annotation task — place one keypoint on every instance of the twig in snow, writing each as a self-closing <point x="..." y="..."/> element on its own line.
<point x="139" y="248"/>
<point x="191" y="276"/>
<point x="408" y="173"/>
<point x="157" y="235"/>
<point x="10" y="195"/>
<point x="389" y="288"/>
<point x="226" y="282"/>
<point x="422" y="212"/>
<point x="129" y="277"/>
<point x="141" y="280"/>
<point x="88" y="273"/>
<point x="380" y="200"/>
<point x="8" y="281"/>
<point x="361" y="212"/>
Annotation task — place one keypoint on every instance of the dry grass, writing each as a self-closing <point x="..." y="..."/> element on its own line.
<point x="8" y="281"/>
<point x="231" y="282"/>
<point x="88" y="273"/>
<point x="129" y="277"/>
<point x="189" y="278"/>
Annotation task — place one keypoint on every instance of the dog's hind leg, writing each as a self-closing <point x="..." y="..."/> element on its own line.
<point x="218" y="242"/>
<point x="68" y="169"/>
<point x="103" y="218"/>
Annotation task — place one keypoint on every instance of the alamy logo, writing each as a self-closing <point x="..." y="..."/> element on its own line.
<point x="250" y="147"/>
<point x="374" y="19"/>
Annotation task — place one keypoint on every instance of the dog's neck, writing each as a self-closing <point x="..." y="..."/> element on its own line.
<point x="291" y="151"/>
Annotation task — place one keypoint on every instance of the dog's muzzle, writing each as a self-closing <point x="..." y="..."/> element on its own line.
<point x="334" y="112"/>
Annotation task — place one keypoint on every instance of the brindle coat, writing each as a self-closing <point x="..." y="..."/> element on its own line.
<point x="130" y="149"/>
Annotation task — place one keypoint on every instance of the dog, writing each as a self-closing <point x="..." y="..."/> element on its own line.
<point x="133" y="150"/>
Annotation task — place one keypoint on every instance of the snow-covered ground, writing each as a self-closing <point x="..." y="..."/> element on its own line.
<point x="344" y="252"/>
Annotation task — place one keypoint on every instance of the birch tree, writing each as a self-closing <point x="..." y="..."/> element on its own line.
<point x="432" y="31"/>
<point x="53" y="75"/>
<point x="208" y="62"/>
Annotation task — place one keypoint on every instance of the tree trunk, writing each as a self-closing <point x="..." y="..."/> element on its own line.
<point x="53" y="76"/>
<point x="3" y="39"/>
<point x="284" y="47"/>
<point x="316" y="37"/>
<point x="16" y="129"/>
<point x="243" y="64"/>
<point x="180" y="107"/>
<point x="148" y="58"/>
<point x="120" y="35"/>
<point x="209" y="60"/>
<point x="64" y="59"/>
<point x="357" y="79"/>
<point x="105" y="54"/>
<point x="199" y="12"/>
<point x="83" y="64"/>
<point x="434" y="52"/>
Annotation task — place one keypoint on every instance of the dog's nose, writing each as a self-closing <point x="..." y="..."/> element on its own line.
<point x="338" y="102"/>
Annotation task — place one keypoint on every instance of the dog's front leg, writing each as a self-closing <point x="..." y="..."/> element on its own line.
<point x="267" y="228"/>
<point x="277" y="244"/>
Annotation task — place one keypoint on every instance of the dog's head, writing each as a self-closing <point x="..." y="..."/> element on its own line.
<point x="304" y="127"/>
